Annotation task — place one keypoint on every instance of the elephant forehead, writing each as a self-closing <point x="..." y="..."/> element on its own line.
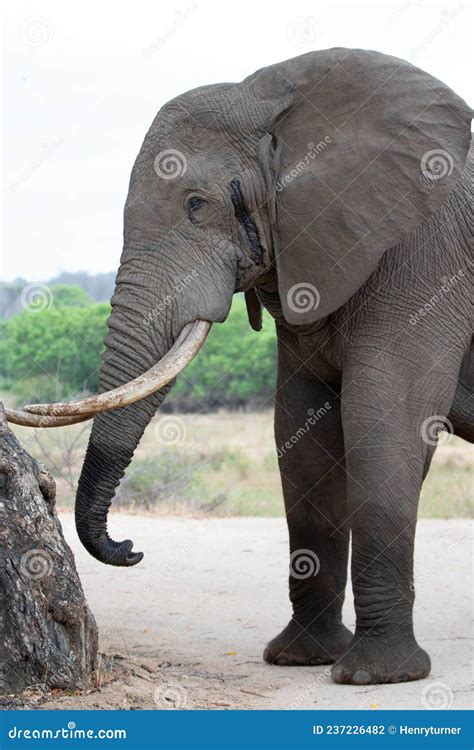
<point x="203" y="107"/>
<point x="171" y="164"/>
<point x="210" y="165"/>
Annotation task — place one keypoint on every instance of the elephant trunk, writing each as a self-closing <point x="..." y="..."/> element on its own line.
<point x="151" y="337"/>
<point x="112" y="443"/>
<point x="133" y="344"/>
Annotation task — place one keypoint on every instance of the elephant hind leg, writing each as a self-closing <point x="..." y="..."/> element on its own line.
<point x="461" y="414"/>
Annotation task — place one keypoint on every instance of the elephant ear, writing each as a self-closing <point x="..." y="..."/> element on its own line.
<point x="364" y="148"/>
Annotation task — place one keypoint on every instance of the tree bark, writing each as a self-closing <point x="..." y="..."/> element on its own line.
<point x="48" y="636"/>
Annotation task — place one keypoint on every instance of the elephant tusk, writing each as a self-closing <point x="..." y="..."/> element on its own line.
<point x="39" y="420"/>
<point x="185" y="348"/>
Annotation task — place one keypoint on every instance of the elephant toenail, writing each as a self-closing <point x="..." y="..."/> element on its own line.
<point x="337" y="673"/>
<point x="361" y="677"/>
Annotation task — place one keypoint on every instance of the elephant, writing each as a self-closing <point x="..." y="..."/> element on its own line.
<point x="333" y="189"/>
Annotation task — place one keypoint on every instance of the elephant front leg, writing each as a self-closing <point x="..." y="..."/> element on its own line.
<point x="310" y="447"/>
<point x="386" y="460"/>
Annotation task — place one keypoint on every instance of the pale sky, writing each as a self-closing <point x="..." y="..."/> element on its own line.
<point x="83" y="80"/>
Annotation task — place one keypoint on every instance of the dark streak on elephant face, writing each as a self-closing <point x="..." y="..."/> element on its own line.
<point x="243" y="216"/>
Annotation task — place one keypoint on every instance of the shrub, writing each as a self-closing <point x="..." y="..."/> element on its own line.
<point x="55" y="354"/>
<point x="59" y="346"/>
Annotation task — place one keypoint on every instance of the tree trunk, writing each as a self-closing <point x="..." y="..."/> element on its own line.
<point x="48" y="635"/>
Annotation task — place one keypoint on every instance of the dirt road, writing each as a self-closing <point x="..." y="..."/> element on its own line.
<point x="186" y="628"/>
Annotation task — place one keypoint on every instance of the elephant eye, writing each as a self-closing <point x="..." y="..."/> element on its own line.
<point x="193" y="204"/>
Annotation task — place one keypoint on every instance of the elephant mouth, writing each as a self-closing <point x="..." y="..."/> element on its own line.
<point x="185" y="348"/>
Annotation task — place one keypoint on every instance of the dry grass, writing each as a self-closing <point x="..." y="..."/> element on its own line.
<point x="224" y="464"/>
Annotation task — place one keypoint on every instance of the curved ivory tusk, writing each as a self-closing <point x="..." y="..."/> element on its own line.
<point x="39" y="420"/>
<point x="184" y="349"/>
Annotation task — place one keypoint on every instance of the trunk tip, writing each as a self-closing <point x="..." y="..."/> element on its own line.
<point x="133" y="558"/>
<point x="120" y="553"/>
<point x="109" y="552"/>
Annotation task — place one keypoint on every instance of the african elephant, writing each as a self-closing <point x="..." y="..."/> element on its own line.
<point x="333" y="189"/>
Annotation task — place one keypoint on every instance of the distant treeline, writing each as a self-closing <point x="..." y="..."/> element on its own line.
<point x="52" y="350"/>
<point x="99" y="287"/>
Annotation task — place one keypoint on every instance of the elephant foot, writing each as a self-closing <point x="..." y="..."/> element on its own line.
<point x="371" y="661"/>
<point x="302" y="647"/>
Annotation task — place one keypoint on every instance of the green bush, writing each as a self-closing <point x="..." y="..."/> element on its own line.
<point x="55" y="354"/>
<point x="235" y="365"/>
<point x="164" y="478"/>
<point x="62" y="345"/>
<point x="171" y="479"/>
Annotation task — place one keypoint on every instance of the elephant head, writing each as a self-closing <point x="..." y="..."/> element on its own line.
<point x="312" y="168"/>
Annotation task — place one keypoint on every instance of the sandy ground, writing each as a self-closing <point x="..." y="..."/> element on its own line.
<point x="186" y="628"/>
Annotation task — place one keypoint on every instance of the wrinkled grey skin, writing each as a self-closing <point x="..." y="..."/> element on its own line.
<point x="372" y="368"/>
